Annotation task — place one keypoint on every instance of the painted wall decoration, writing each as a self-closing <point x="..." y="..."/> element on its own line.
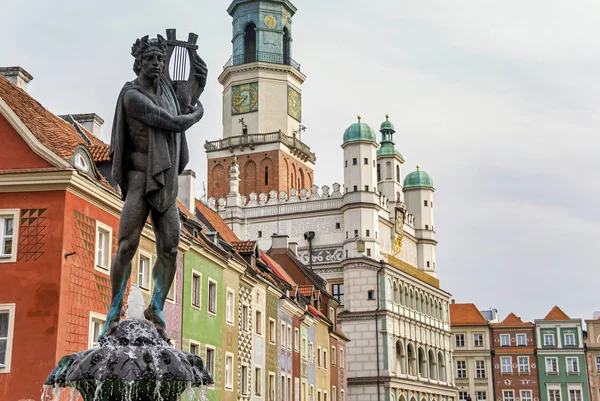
<point x="31" y="234"/>
<point x="329" y="255"/>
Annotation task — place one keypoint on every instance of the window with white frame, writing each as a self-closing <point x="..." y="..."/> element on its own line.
<point x="97" y="322"/>
<point x="144" y="272"/>
<point x="271" y="387"/>
<point x="244" y="388"/>
<point x="282" y="335"/>
<point x="461" y="369"/>
<point x="8" y="234"/>
<point x="333" y="355"/>
<point x="325" y="360"/>
<point x="459" y="340"/>
<point x="272" y="331"/>
<point x="554" y="394"/>
<point x="506" y="364"/>
<point x="505" y="340"/>
<point x="210" y="360"/>
<point x="523" y="364"/>
<point x="570" y="340"/>
<point x="229" y="306"/>
<point x="229" y="371"/>
<point x="574" y="395"/>
<point x="319" y="357"/>
<point x="342" y="361"/>
<point x="103" y="246"/>
<point x="288" y="337"/>
<point x="551" y="365"/>
<point x="194" y="348"/>
<point x="462" y="395"/>
<point x="7" y="323"/>
<point x="478" y="340"/>
<point x="171" y="293"/>
<point x="304" y="350"/>
<point x="598" y="364"/>
<point x="521" y="339"/>
<point x="508" y="395"/>
<point x="333" y="393"/>
<point x="258" y="381"/>
<point x="481" y="396"/>
<point x="296" y="339"/>
<point x="258" y="323"/>
<point x="245" y="315"/>
<point x="212" y="296"/>
<point x="526" y="395"/>
<point x="289" y="388"/>
<point x="283" y="390"/>
<point x="342" y="395"/>
<point x="81" y="161"/>
<point x="196" y="289"/>
<point x="480" y="369"/>
<point x="548" y="340"/>
<point x="572" y="365"/>
<point x="319" y="395"/>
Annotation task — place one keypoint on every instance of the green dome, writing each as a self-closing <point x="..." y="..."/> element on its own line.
<point x="388" y="149"/>
<point x="387" y="125"/>
<point x="359" y="132"/>
<point x="418" y="179"/>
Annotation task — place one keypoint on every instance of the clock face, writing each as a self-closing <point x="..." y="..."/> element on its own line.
<point x="270" y="21"/>
<point x="244" y="98"/>
<point x="294" y="104"/>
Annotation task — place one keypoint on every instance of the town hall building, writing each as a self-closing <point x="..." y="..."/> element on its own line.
<point x="371" y="237"/>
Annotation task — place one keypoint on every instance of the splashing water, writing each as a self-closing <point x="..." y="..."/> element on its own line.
<point x="135" y="304"/>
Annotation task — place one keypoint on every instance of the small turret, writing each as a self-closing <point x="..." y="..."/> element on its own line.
<point x="361" y="199"/>
<point x="418" y="195"/>
<point x="389" y="164"/>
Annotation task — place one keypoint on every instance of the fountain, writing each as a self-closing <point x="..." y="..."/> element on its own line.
<point x="134" y="359"/>
<point x="133" y="363"/>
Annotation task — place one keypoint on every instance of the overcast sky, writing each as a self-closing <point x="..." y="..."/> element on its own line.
<point x="497" y="100"/>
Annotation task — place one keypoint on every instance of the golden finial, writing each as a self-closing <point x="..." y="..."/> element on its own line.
<point x="359" y="118"/>
<point x="387" y="116"/>
<point x="418" y="167"/>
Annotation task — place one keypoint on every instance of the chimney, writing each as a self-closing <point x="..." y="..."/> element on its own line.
<point x="294" y="248"/>
<point x="452" y="300"/>
<point x="17" y="76"/>
<point x="187" y="189"/>
<point x="280" y="241"/>
<point x="91" y="122"/>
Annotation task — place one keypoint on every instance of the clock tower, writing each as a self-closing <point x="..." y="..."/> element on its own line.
<point x="262" y="105"/>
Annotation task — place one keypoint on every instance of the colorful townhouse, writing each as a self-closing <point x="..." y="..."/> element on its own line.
<point x="561" y="358"/>
<point x="472" y="352"/>
<point x="515" y="373"/>
<point x="592" y="354"/>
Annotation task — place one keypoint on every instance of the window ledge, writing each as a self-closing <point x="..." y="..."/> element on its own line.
<point x="551" y="373"/>
<point x="573" y="373"/>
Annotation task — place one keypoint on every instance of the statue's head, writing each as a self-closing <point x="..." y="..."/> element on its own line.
<point x="150" y="55"/>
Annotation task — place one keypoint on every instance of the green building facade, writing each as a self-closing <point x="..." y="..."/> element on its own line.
<point x="203" y="304"/>
<point x="561" y="358"/>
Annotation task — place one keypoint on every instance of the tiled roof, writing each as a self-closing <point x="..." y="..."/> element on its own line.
<point x="306" y="290"/>
<point x="277" y="268"/>
<point x="512" y="320"/>
<point x="100" y="153"/>
<point x="466" y="315"/>
<point x="556" y="314"/>
<point x="212" y="218"/>
<point x="186" y="211"/>
<point x="244" y="246"/>
<point x="52" y="131"/>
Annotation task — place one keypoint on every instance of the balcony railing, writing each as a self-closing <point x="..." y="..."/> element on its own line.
<point x="265" y="57"/>
<point x="258" y="139"/>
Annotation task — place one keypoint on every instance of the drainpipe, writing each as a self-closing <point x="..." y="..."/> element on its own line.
<point x="309" y="236"/>
<point x="376" y="329"/>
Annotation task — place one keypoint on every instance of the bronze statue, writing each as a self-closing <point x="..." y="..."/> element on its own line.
<point x="149" y="151"/>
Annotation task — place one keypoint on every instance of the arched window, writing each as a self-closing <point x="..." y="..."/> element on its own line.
<point x="388" y="170"/>
<point x="378" y="172"/>
<point x="250" y="43"/>
<point x="266" y="175"/>
<point x="412" y="360"/>
<point x="81" y="161"/>
<point x="286" y="46"/>
<point x="441" y="367"/>
<point x="422" y="363"/>
<point x="396" y="295"/>
<point x="432" y="365"/>
<point x="400" y="358"/>
<point x="397" y="173"/>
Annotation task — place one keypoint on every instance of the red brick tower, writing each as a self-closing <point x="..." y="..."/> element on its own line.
<point x="262" y="107"/>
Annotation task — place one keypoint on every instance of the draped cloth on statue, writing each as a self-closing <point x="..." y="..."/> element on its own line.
<point x="165" y="150"/>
